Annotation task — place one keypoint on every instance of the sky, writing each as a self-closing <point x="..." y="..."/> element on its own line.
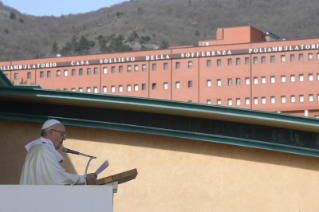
<point x="58" y="7"/>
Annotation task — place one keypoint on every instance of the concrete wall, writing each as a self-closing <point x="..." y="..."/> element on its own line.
<point x="178" y="174"/>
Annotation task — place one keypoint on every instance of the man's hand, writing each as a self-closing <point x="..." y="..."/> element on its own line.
<point x="91" y="177"/>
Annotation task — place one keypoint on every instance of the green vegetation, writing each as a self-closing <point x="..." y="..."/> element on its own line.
<point x="12" y="16"/>
<point x="77" y="46"/>
<point x="112" y="43"/>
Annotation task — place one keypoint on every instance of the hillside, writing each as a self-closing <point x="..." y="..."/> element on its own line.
<point x="149" y="24"/>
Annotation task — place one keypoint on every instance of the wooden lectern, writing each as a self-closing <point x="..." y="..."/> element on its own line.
<point x="116" y="179"/>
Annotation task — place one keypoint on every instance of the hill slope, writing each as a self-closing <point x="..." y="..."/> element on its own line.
<point x="174" y="22"/>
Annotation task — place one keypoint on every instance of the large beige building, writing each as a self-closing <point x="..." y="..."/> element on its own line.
<point x="189" y="156"/>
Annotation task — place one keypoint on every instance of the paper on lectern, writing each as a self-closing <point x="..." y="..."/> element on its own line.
<point x="102" y="167"/>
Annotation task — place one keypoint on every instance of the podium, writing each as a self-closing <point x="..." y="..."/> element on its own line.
<point x="97" y="196"/>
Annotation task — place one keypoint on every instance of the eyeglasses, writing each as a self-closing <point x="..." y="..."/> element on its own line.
<point x="62" y="133"/>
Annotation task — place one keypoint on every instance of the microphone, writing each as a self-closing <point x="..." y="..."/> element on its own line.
<point x="66" y="150"/>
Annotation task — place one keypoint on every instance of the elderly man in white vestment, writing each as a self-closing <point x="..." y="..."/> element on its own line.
<point x="41" y="166"/>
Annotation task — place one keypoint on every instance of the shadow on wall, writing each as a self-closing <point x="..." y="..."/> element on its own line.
<point x="13" y="137"/>
<point x="194" y="147"/>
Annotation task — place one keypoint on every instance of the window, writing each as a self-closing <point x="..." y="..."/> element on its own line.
<point x="165" y="66"/>
<point x="283" y="99"/>
<point x="143" y="87"/>
<point x="219" y="102"/>
<point x="16" y="75"/>
<point x="73" y="72"/>
<point x="154" y="66"/>
<point x="310" y="98"/>
<point x="247" y="60"/>
<point x="120" y="69"/>
<point x="300" y="57"/>
<point x="292" y="98"/>
<point x="292" y="57"/>
<point x="113" y="88"/>
<point x="190" y="84"/>
<point x="165" y="85"/>
<point x="41" y="74"/>
<point x="65" y="89"/>
<point x="208" y="63"/>
<point x="317" y="56"/>
<point x="318" y="77"/>
<point x="317" y="97"/>
<point x="58" y="73"/>
<point x="135" y="87"/>
<point x="272" y="79"/>
<point x="263" y="80"/>
<point x="136" y="68"/>
<point x="88" y="89"/>
<point x="292" y="78"/>
<point x="247" y="101"/>
<point x="29" y="75"/>
<point x="283" y="78"/>
<point x="283" y="58"/>
<point x="66" y="73"/>
<point x="229" y="102"/>
<point x="104" y="89"/>
<point x="177" y="85"/>
<point x="263" y="59"/>
<point x="95" y="89"/>
<point x="206" y="44"/>
<point x="96" y="71"/>
<point x="230" y="81"/>
<point x="190" y="64"/>
<point x="263" y="100"/>
<point x="104" y="70"/>
<point x="209" y="102"/>
<point x="272" y="58"/>
<point x="49" y="73"/>
<point x="230" y="61"/>
<point x="209" y="83"/>
<point x="247" y="82"/>
<point x="129" y="88"/>
<point x="80" y="71"/>
<point x="310" y="77"/>
<point x="153" y="86"/>
<point x="88" y="71"/>
<point x="219" y="82"/>
<point x="120" y="88"/>
<point x="237" y="61"/>
<point x="113" y="69"/>
<point x="301" y="99"/>
<point x="255" y="60"/>
<point x="272" y="100"/>
<point x="255" y="80"/>
<point x="144" y="67"/>
<point x="237" y="81"/>
<point x="238" y="101"/>
<point x="300" y="77"/>
<point x="129" y="68"/>
<point x="80" y="89"/>
<point x="255" y="100"/>
<point x="219" y="62"/>
<point x="177" y="65"/>
<point x="310" y="56"/>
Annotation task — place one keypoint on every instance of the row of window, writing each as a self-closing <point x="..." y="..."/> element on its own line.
<point x="263" y="80"/>
<point x="263" y="100"/>
<point x="177" y="65"/>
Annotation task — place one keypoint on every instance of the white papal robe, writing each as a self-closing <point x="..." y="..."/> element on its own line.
<point x="41" y="168"/>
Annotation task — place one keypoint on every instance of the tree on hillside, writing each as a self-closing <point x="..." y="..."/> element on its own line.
<point x="12" y="16"/>
<point x="55" y="48"/>
<point x="164" y="44"/>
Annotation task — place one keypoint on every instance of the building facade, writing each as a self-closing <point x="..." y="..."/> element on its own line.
<point x="243" y="67"/>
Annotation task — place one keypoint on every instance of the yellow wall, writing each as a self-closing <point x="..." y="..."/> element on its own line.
<point x="178" y="174"/>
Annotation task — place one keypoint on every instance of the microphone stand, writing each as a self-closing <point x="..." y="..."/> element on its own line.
<point x="91" y="157"/>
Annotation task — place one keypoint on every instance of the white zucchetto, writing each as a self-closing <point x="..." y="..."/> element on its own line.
<point x="49" y="123"/>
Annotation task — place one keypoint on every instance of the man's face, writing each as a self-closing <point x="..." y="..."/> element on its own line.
<point x="58" y="136"/>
